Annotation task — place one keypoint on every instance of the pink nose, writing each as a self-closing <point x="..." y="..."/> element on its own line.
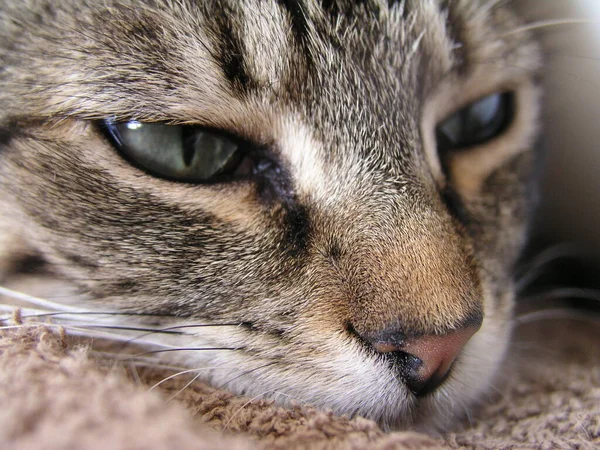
<point x="425" y="360"/>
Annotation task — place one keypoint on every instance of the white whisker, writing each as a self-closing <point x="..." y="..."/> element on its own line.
<point x="557" y="314"/>
<point x="241" y="408"/>
<point x="535" y="266"/>
<point x="183" y="372"/>
<point x="80" y="330"/>
<point x="35" y="300"/>
<point x="550" y="23"/>
<point x="151" y="363"/>
<point x="135" y="374"/>
<point x="184" y="387"/>
<point x="564" y="293"/>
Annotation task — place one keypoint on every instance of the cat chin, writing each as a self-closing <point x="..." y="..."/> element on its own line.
<point x="345" y="379"/>
<point x="347" y="384"/>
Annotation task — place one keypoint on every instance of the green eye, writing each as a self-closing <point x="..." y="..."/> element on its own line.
<point x="477" y="123"/>
<point x="182" y="153"/>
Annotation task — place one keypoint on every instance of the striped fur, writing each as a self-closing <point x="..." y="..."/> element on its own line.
<point x="358" y="221"/>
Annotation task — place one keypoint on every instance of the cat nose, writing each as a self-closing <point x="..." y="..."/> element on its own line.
<point x="424" y="361"/>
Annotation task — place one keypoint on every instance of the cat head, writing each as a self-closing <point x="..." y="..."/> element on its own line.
<point x="345" y="185"/>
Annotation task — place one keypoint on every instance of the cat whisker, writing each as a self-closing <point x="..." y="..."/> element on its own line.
<point x="69" y="319"/>
<point x="241" y="408"/>
<point x="66" y="320"/>
<point x="90" y="332"/>
<point x="221" y="386"/>
<point x="188" y="349"/>
<point x="94" y="331"/>
<point x="125" y="328"/>
<point x="530" y="270"/>
<point x="12" y="327"/>
<point x="183" y="372"/>
<point x="74" y="331"/>
<point x="173" y="329"/>
<point x="256" y="397"/>
<point x="188" y="384"/>
<point x="550" y="23"/>
<point x="497" y="390"/>
<point x="30" y="299"/>
<point x="557" y="314"/>
<point x="35" y="314"/>
<point x="30" y="313"/>
<point x="211" y="368"/>
<point x="554" y="252"/>
<point x="571" y="293"/>
<point x="204" y="325"/>
<point x="152" y="363"/>
<point x="21" y="312"/>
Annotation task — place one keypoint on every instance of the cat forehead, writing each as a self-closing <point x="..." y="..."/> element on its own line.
<point x="214" y="62"/>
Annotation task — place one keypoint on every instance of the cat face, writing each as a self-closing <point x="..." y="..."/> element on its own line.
<point x="362" y="217"/>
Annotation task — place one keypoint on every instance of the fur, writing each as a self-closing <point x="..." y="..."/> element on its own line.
<point x="357" y="226"/>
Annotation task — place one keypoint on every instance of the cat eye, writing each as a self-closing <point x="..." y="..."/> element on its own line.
<point x="179" y="152"/>
<point x="477" y="123"/>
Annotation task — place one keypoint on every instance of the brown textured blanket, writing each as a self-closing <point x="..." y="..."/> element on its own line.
<point x="55" y="395"/>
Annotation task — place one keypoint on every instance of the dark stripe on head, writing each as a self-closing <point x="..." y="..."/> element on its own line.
<point x="300" y="26"/>
<point x="231" y="51"/>
<point x="298" y="229"/>
<point x="349" y="10"/>
<point x="5" y="137"/>
<point x="78" y="260"/>
<point x="8" y="132"/>
<point x="123" y="286"/>
<point x="392" y="3"/>
<point x="29" y="264"/>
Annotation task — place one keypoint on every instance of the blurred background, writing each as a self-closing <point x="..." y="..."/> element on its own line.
<point x="570" y="202"/>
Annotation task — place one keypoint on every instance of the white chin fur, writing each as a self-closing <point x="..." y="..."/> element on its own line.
<point x="346" y="379"/>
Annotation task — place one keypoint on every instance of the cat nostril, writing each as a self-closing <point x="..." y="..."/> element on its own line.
<point x="437" y="353"/>
<point x="424" y="361"/>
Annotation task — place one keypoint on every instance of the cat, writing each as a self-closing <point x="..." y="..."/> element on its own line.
<point x="323" y="201"/>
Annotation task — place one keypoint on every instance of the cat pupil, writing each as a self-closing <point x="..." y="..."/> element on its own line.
<point x="189" y="148"/>
<point x="477" y="123"/>
<point x="177" y="152"/>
